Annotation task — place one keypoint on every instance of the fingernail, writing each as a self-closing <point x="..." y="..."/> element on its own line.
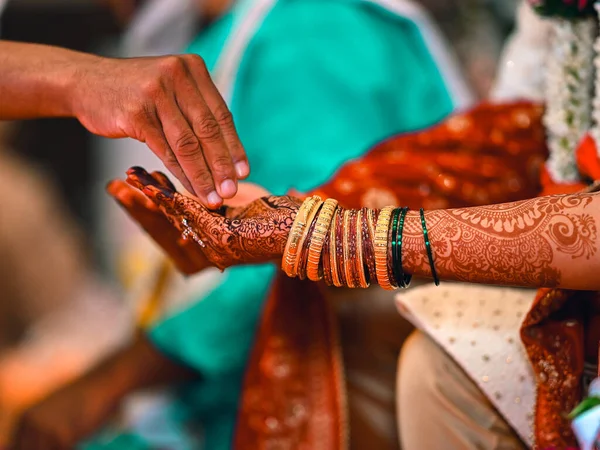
<point x="242" y="169"/>
<point x="166" y="192"/>
<point x="228" y="188"/>
<point x="214" y="199"/>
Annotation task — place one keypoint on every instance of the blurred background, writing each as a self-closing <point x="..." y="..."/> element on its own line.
<point x="65" y="271"/>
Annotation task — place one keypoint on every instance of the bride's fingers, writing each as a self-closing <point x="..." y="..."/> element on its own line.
<point x="165" y="198"/>
<point x="163" y="180"/>
<point x="139" y="178"/>
<point x="130" y="197"/>
<point x="175" y="204"/>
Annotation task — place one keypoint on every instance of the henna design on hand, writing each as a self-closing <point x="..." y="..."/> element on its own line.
<point x="186" y="254"/>
<point x="254" y="233"/>
<point x="513" y="243"/>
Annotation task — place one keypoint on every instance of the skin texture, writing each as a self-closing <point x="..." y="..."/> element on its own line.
<point x="77" y="410"/>
<point x="170" y="103"/>
<point x="544" y="242"/>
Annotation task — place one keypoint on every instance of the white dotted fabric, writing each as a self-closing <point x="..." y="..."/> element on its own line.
<point x="479" y="327"/>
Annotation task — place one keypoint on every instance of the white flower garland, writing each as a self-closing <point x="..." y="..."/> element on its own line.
<point x="569" y="77"/>
<point x="595" y="131"/>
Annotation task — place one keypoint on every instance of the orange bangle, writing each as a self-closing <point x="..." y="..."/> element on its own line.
<point x="347" y="263"/>
<point x="380" y="248"/>
<point x="335" y="276"/>
<point x="290" y="254"/>
<point x="359" y="261"/>
<point x="310" y="217"/>
<point x="369" y="238"/>
<point x="318" y="239"/>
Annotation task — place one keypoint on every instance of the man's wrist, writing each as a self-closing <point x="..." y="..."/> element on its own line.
<point x="71" y="82"/>
<point x="122" y="373"/>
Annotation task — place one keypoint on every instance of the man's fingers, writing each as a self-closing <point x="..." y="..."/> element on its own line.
<point x="221" y="113"/>
<point x="155" y="138"/>
<point x="192" y="103"/>
<point x="189" y="153"/>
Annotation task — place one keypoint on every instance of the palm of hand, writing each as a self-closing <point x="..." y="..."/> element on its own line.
<point x="250" y="234"/>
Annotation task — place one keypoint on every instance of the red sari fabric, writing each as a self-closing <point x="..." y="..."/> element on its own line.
<point x="294" y="394"/>
<point x="561" y="330"/>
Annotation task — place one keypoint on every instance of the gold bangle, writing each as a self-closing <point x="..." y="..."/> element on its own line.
<point x="380" y="248"/>
<point x="335" y="276"/>
<point x="318" y="239"/>
<point x="347" y="263"/>
<point x="371" y="254"/>
<point x="310" y="217"/>
<point x="359" y="261"/>
<point x="290" y="254"/>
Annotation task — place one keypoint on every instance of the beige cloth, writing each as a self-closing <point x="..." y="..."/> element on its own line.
<point x="441" y="407"/>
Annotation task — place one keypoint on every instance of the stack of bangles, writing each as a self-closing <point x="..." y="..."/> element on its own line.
<point x="351" y="248"/>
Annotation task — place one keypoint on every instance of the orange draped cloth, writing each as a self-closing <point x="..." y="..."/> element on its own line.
<point x="294" y="393"/>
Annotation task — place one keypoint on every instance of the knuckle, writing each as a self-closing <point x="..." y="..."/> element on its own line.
<point x="209" y="129"/>
<point x="186" y="145"/>
<point x="151" y="86"/>
<point x="170" y="161"/>
<point x="196" y="61"/>
<point x="203" y="182"/>
<point x="134" y="119"/>
<point x="172" y="64"/>
<point x="141" y="111"/>
<point x="223" y="116"/>
<point x="221" y="164"/>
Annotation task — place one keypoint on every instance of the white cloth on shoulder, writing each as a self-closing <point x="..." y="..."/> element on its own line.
<point x="520" y="75"/>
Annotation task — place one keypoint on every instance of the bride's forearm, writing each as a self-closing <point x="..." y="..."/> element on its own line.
<point x="543" y="242"/>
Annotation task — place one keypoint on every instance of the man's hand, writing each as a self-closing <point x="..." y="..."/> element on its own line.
<point x="170" y="103"/>
<point x="67" y="416"/>
<point x="78" y="410"/>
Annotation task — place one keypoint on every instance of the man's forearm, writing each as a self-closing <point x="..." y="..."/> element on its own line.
<point x="38" y="80"/>
<point x="139" y="366"/>
<point x="170" y="103"/>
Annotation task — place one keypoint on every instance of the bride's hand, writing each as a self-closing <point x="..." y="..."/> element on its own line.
<point x="248" y="234"/>
<point x="186" y="255"/>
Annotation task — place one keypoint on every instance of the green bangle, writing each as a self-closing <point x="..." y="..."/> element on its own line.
<point x="436" y="280"/>
<point x="404" y="277"/>
<point x="395" y="279"/>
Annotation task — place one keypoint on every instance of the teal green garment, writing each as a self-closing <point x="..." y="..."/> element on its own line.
<point x="321" y="82"/>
